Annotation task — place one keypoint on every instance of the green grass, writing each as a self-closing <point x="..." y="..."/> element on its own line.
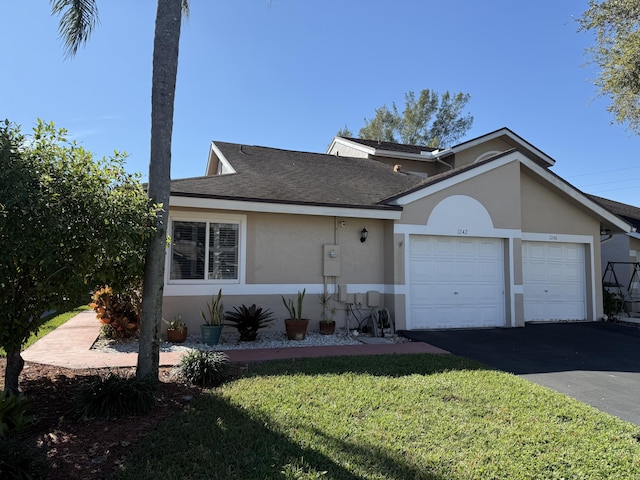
<point x="386" y="417"/>
<point x="53" y="322"/>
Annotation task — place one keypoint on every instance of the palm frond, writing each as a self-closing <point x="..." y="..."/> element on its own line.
<point x="77" y="20"/>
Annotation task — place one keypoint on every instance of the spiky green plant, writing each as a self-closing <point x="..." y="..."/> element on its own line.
<point x="294" y="314"/>
<point x="204" y="368"/>
<point x="215" y="310"/>
<point x="248" y="320"/>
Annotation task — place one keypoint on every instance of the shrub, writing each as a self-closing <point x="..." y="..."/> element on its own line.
<point x="18" y="461"/>
<point x="248" y="320"/>
<point x="13" y="417"/>
<point x="204" y="368"/>
<point x="113" y="395"/>
<point x="119" y="311"/>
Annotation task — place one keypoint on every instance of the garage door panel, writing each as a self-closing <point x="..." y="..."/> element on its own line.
<point x="456" y="282"/>
<point x="554" y="283"/>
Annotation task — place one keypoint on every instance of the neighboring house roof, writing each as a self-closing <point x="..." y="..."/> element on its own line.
<point x="390" y="146"/>
<point x="628" y="212"/>
<point x="283" y="176"/>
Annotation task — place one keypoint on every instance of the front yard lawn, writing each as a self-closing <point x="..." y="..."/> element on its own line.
<point x="386" y="417"/>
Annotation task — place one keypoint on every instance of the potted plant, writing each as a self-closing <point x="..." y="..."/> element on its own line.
<point x="327" y="322"/>
<point x="212" y="326"/>
<point x="176" y="330"/>
<point x="248" y="320"/>
<point x="295" y="325"/>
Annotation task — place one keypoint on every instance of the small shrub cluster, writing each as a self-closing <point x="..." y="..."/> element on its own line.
<point x="204" y="368"/>
<point x="21" y="462"/>
<point x="114" y="395"/>
<point x="119" y="313"/>
<point x="13" y="413"/>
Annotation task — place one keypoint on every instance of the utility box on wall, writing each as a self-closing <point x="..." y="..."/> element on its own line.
<point x="331" y="260"/>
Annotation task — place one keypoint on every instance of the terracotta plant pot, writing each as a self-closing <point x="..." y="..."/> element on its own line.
<point x="327" y="328"/>
<point x="176" y="335"/>
<point x="296" y="329"/>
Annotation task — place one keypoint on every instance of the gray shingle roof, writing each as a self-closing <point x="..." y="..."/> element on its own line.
<point x="394" y="147"/>
<point x="628" y="213"/>
<point x="285" y="176"/>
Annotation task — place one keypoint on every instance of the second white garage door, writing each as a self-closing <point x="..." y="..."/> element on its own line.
<point x="456" y="282"/>
<point x="553" y="281"/>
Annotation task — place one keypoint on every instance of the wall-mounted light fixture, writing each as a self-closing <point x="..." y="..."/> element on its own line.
<point x="363" y="235"/>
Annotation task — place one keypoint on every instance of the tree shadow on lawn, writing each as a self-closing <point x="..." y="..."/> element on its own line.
<point x="238" y="445"/>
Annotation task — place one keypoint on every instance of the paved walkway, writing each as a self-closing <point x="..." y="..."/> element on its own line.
<point x="70" y="344"/>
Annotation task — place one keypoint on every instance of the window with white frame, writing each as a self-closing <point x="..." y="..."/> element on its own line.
<point x="204" y="250"/>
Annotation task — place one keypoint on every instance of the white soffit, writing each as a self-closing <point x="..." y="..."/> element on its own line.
<point x="248" y="206"/>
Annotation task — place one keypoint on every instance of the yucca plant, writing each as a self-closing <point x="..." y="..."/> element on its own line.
<point x="295" y="314"/>
<point x="248" y="320"/>
<point x="215" y="310"/>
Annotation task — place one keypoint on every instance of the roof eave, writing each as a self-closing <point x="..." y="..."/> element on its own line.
<point x="180" y="199"/>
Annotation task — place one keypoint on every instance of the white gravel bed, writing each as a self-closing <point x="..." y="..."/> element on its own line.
<point x="230" y="341"/>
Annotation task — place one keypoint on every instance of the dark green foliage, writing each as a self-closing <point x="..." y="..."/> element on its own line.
<point x="20" y="462"/>
<point x="616" y="53"/>
<point x="205" y="368"/>
<point x="248" y="320"/>
<point x="68" y="222"/>
<point x="13" y="413"/>
<point x="611" y="303"/>
<point x="432" y="120"/>
<point x="114" y="395"/>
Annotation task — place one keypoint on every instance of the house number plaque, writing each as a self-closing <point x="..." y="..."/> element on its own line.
<point x="463" y="231"/>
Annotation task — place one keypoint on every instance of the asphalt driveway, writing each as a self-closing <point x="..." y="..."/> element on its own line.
<point x="595" y="362"/>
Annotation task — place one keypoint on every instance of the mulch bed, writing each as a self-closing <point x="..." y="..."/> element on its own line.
<point x="82" y="449"/>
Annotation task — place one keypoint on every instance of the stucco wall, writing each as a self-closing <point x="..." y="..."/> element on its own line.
<point x="545" y="211"/>
<point x="497" y="190"/>
<point x="472" y="154"/>
<point x="284" y="254"/>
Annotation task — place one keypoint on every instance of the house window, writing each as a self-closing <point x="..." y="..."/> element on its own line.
<point x="204" y="251"/>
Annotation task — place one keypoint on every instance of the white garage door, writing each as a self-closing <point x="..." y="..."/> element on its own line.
<point x="553" y="281"/>
<point x="456" y="282"/>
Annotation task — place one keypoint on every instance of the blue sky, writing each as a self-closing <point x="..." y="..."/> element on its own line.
<point x="291" y="73"/>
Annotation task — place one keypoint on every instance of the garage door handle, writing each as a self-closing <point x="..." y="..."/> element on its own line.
<point x="455" y="293"/>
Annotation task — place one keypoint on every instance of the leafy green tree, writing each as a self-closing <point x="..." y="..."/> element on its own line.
<point x="77" y="19"/>
<point x="67" y="223"/>
<point x="616" y="24"/>
<point x="432" y="120"/>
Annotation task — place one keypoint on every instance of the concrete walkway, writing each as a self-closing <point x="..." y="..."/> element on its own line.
<point x="69" y="346"/>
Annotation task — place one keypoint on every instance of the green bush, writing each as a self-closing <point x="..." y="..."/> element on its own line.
<point x="19" y="462"/>
<point x="114" y="395"/>
<point x="13" y="417"/>
<point x="207" y="369"/>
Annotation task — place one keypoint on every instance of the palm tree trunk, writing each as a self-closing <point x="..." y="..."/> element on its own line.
<point x="165" y="70"/>
<point x="15" y="364"/>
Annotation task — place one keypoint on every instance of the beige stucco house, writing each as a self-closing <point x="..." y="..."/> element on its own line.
<point x="478" y="235"/>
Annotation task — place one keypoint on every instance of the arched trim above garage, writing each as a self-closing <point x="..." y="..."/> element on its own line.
<point x="471" y="217"/>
